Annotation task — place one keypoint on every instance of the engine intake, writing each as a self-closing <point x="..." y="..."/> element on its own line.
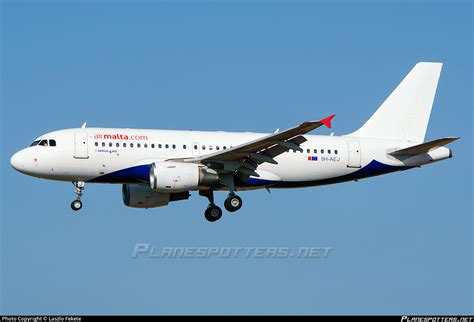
<point x="170" y="176"/>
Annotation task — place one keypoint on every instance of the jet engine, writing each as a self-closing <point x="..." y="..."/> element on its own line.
<point x="169" y="176"/>
<point x="141" y="196"/>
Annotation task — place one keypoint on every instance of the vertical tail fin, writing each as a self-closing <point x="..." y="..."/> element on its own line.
<point x="404" y="115"/>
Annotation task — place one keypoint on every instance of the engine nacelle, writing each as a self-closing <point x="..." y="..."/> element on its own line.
<point x="169" y="176"/>
<point x="141" y="196"/>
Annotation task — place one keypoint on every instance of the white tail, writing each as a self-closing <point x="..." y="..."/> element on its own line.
<point x="405" y="113"/>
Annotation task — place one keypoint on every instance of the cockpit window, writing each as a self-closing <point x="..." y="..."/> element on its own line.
<point x="44" y="143"/>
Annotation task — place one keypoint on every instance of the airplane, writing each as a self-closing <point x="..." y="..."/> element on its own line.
<point x="156" y="167"/>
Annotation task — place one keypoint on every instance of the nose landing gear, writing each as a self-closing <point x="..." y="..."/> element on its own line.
<point x="79" y="190"/>
<point x="76" y="205"/>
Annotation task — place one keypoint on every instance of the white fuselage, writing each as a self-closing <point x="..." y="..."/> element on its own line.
<point x="157" y="167"/>
<point x="108" y="155"/>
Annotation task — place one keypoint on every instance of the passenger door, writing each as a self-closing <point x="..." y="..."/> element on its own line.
<point x="354" y="154"/>
<point x="81" y="145"/>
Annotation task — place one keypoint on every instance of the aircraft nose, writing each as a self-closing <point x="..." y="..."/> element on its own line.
<point x="17" y="161"/>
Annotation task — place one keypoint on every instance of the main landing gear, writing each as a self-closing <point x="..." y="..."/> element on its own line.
<point x="79" y="190"/>
<point x="233" y="202"/>
<point x="213" y="212"/>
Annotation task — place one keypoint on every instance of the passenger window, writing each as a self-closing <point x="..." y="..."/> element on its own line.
<point x="315" y="151"/>
<point x="110" y="144"/>
<point x="117" y="144"/>
<point x="145" y="145"/>
<point x="124" y="145"/>
<point x="96" y="143"/>
<point x="195" y="147"/>
<point x="335" y="151"/>
<point x="159" y="146"/>
<point x="131" y="145"/>
<point x="174" y="146"/>
<point x="184" y="147"/>
<point x="153" y="145"/>
<point x="308" y="151"/>
<point x="217" y="148"/>
<point x="322" y="151"/>
<point x="329" y="151"/>
<point x="210" y="147"/>
<point x="52" y="142"/>
<point x="224" y="147"/>
<point x="103" y="144"/>
<point x="138" y="145"/>
<point x="204" y="147"/>
<point x="167" y="146"/>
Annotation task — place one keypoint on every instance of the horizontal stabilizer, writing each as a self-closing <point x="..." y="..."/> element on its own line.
<point x="423" y="148"/>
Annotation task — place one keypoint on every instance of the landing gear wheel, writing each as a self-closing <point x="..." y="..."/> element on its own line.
<point x="213" y="213"/>
<point x="233" y="203"/>
<point x="76" y="205"/>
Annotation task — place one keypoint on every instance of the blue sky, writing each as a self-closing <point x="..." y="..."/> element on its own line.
<point x="402" y="243"/>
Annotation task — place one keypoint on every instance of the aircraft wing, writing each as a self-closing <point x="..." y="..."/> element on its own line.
<point x="266" y="148"/>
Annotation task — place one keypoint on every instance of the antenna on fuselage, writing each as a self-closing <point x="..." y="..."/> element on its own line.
<point x="84" y="125"/>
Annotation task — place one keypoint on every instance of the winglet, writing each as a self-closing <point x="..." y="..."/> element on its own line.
<point x="327" y="121"/>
